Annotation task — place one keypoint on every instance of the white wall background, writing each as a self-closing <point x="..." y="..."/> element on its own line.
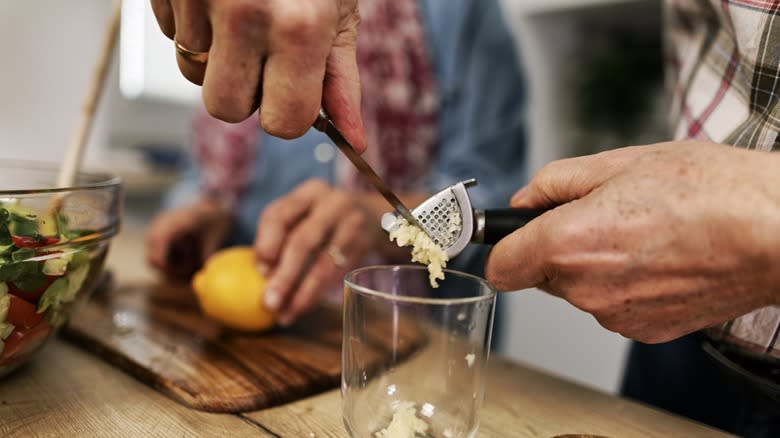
<point x="47" y="63"/>
<point x="48" y="59"/>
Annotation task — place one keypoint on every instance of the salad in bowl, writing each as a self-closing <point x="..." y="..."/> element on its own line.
<point x="53" y="243"/>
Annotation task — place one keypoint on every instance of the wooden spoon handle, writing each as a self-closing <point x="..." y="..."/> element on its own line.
<point x="75" y="151"/>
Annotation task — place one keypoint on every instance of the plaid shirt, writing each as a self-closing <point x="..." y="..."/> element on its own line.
<point x="724" y="65"/>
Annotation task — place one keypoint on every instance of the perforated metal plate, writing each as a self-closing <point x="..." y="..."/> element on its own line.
<point x="446" y="216"/>
<point x="440" y="215"/>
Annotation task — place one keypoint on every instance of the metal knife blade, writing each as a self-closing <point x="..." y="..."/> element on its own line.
<point x="324" y="124"/>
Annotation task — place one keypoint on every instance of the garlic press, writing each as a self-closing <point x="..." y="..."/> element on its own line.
<point x="450" y="220"/>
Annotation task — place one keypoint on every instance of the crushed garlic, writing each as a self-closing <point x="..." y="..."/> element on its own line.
<point x="424" y="250"/>
<point x="404" y="424"/>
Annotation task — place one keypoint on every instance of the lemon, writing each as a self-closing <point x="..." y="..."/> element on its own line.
<point x="230" y="290"/>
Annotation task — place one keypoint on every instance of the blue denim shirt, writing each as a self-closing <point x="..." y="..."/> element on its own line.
<point x="481" y="123"/>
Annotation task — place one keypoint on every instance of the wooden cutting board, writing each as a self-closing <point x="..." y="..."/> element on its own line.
<point x="156" y="333"/>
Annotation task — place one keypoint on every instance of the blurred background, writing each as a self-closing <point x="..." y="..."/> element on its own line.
<point x="595" y="75"/>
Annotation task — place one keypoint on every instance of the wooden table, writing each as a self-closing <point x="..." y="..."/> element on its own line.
<point x="68" y="392"/>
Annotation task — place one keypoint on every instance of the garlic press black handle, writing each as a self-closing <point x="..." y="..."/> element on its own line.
<point x="494" y="224"/>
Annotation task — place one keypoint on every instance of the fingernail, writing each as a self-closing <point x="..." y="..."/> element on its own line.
<point x="262" y="268"/>
<point x="518" y="196"/>
<point x="271" y="299"/>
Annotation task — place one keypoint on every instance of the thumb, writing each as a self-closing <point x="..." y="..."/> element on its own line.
<point x="565" y="180"/>
<point x="517" y="261"/>
<point x="341" y="90"/>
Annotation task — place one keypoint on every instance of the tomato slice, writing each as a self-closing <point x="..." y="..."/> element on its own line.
<point x="38" y="288"/>
<point x="34" y="241"/>
<point x="22" y="343"/>
<point x="22" y="314"/>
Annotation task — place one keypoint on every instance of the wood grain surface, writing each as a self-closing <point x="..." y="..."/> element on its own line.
<point x="520" y="402"/>
<point x="66" y="392"/>
<point x="156" y="333"/>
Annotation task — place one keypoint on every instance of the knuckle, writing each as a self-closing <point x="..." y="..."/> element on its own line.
<point x="248" y="17"/>
<point x="283" y="279"/>
<point x="596" y="309"/>
<point x="607" y="319"/>
<point x="654" y="336"/>
<point x="647" y="338"/>
<point x="595" y="304"/>
<point x="354" y="17"/>
<point x="565" y="245"/>
<point x="304" y="241"/>
<point x="273" y="213"/>
<point x="547" y="172"/>
<point x="638" y="330"/>
<point x="281" y="122"/>
<point x="340" y="200"/>
<point x="296" y="24"/>
<point x="316" y="184"/>
<point x="626" y="328"/>
<point x="226" y="108"/>
<point x="545" y="179"/>
<point x="640" y="336"/>
<point x="602" y="304"/>
<point x="497" y="272"/>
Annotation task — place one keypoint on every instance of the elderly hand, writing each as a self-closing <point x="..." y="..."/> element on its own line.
<point x="288" y="57"/>
<point x="655" y="241"/>
<point x="309" y="239"/>
<point x="179" y="241"/>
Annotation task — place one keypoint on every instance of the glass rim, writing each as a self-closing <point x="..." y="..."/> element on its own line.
<point x="103" y="179"/>
<point x="491" y="294"/>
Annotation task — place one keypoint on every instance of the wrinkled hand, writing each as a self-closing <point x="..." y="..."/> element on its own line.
<point x="179" y="241"/>
<point x="288" y="57"/>
<point x="309" y="239"/>
<point x="655" y="241"/>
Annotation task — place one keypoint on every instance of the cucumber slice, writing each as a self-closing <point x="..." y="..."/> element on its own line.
<point x="5" y="330"/>
<point x="56" y="266"/>
<point x="5" y="303"/>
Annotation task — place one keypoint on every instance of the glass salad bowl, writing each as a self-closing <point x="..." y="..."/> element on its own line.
<point x="53" y="243"/>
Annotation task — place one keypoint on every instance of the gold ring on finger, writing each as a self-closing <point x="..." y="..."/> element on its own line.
<point x="191" y="55"/>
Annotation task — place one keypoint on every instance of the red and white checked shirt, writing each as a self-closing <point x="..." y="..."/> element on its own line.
<point x="724" y="66"/>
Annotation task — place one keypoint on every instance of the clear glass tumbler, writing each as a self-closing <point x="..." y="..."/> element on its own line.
<point x="414" y="357"/>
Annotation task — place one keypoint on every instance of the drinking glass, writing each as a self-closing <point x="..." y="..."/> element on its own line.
<point x="414" y="357"/>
